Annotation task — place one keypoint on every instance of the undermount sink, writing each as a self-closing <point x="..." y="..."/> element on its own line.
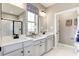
<point x="34" y="36"/>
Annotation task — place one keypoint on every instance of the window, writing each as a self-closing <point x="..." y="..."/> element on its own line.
<point x="32" y="22"/>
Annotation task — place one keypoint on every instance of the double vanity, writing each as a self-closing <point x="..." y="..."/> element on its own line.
<point x="27" y="46"/>
<point x="22" y="31"/>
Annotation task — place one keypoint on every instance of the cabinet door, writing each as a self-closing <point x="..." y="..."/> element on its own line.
<point x="28" y="51"/>
<point x="13" y="47"/>
<point x="0" y="54"/>
<point x="15" y="53"/>
<point x="42" y="48"/>
<point x="36" y="51"/>
<point x="39" y="49"/>
<point x="49" y="43"/>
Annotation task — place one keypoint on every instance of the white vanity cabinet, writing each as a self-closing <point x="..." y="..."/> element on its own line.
<point x="33" y="47"/>
<point x="18" y="52"/>
<point x="49" y="43"/>
<point x="12" y="49"/>
<point x="39" y="47"/>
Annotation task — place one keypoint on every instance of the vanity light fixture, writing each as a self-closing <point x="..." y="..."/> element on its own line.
<point x="2" y="19"/>
<point x="43" y="13"/>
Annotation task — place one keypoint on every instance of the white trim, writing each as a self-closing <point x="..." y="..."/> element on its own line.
<point x="68" y="10"/>
<point x="66" y="45"/>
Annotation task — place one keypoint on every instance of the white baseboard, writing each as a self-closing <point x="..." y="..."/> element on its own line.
<point x="67" y="45"/>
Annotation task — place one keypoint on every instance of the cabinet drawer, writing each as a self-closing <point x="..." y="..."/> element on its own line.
<point x="39" y="41"/>
<point x="27" y="43"/>
<point x="43" y="40"/>
<point x="12" y="47"/>
<point x="15" y="53"/>
<point x="51" y="36"/>
<point x="36" y="42"/>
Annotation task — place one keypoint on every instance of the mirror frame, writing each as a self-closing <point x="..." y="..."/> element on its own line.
<point x="21" y="27"/>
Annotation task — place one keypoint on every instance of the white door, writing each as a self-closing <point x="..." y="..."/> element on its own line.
<point x="15" y="53"/>
<point x="56" y="30"/>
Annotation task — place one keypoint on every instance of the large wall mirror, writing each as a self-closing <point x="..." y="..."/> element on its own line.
<point x="17" y="27"/>
<point x="12" y="19"/>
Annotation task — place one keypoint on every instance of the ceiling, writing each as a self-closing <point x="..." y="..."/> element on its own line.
<point x="15" y="10"/>
<point x="47" y="4"/>
<point x="11" y="9"/>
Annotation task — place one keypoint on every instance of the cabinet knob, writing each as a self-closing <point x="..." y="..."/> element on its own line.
<point x="40" y="45"/>
<point x="28" y="51"/>
<point x="22" y="51"/>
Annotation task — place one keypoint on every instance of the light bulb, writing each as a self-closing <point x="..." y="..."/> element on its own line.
<point x="43" y="13"/>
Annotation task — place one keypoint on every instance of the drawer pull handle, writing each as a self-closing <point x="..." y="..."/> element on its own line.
<point x="28" y="51"/>
<point x="22" y="51"/>
<point x="40" y="45"/>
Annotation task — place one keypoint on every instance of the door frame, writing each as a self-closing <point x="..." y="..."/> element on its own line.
<point x="57" y="13"/>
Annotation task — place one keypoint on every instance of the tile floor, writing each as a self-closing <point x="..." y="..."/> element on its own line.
<point x="62" y="50"/>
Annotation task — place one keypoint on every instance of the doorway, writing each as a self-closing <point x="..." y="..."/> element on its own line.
<point x="65" y="27"/>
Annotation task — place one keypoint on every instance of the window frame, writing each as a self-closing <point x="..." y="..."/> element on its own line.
<point x="36" y="22"/>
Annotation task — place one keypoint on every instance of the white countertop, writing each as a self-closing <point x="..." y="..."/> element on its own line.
<point x="8" y="40"/>
<point x="42" y="36"/>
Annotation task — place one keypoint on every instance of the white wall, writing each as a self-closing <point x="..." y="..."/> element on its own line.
<point x="9" y="16"/>
<point x="57" y="8"/>
<point x="22" y="18"/>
